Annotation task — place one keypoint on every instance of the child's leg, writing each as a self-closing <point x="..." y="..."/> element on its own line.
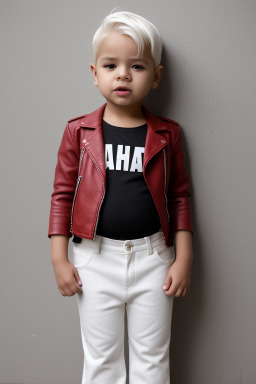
<point x="149" y="314"/>
<point x="102" y="311"/>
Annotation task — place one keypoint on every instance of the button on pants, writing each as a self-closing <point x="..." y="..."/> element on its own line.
<point x="119" y="276"/>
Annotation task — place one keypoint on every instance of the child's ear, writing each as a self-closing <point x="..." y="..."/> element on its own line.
<point x="158" y="75"/>
<point x="94" y="74"/>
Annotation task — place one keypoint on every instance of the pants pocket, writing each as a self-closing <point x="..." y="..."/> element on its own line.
<point x="82" y="255"/>
<point x="164" y="254"/>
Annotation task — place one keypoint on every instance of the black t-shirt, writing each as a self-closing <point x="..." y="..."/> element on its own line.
<point x="128" y="210"/>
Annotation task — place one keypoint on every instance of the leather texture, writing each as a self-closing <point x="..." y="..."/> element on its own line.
<point x="80" y="176"/>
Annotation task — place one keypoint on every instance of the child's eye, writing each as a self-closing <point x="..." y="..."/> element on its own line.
<point x="112" y="66"/>
<point x="109" y="65"/>
<point x="138" y="66"/>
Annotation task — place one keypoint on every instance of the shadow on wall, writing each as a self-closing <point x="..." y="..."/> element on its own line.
<point x="188" y="310"/>
<point x="186" y="320"/>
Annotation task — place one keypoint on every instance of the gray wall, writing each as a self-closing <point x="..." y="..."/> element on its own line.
<point x="209" y="87"/>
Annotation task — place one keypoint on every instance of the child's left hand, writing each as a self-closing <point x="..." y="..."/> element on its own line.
<point x="178" y="279"/>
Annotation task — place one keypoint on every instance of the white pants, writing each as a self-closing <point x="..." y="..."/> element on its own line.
<point x="119" y="275"/>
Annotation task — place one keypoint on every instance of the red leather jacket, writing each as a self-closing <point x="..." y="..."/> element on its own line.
<point x="80" y="176"/>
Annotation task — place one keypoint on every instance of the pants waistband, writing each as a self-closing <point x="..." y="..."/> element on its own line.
<point x="125" y="246"/>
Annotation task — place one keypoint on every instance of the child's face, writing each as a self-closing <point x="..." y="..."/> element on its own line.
<point x="117" y="65"/>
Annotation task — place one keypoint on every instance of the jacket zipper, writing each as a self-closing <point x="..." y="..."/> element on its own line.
<point x="97" y="167"/>
<point x="77" y="186"/>
<point x="81" y="158"/>
<point x="72" y="210"/>
<point x="166" y="204"/>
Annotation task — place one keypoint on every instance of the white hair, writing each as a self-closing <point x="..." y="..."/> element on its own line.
<point x="142" y="31"/>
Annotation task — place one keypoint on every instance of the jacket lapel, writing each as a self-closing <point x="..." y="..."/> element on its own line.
<point x="94" y="141"/>
<point x="155" y="139"/>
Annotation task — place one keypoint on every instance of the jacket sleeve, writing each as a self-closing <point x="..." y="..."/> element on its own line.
<point x="178" y="194"/>
<point x="64" y="185"/>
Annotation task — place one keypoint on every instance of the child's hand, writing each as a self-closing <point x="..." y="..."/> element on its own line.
<point x="178" y="279"/>
<point x="67" y="278"/>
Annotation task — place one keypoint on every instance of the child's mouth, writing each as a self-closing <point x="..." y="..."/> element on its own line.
<point x="122" y="91"/>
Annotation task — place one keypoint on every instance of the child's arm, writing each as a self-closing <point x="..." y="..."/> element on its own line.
<point x="66" y="274"/>
<point x="178" y="192"/>
<point x="178" y="278"/>
<point x="65" y="181"/>
<point x="179" y="275"/>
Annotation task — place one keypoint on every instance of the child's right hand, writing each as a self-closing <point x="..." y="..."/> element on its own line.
<point x="67" y="278"/>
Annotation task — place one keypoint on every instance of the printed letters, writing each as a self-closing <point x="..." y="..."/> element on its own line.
<point x="123" y="158"/>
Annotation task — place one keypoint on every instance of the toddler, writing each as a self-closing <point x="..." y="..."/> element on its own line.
<point x="121" y="191"/>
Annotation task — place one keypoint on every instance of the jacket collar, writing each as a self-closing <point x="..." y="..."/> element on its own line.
<point x="154" y="140"/>
<point x="94" y="119"/>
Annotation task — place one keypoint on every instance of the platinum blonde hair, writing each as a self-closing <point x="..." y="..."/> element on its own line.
<point x="142" y="31"/>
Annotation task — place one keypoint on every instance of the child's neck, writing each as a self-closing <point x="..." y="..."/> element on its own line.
<point x="124" y="116"/>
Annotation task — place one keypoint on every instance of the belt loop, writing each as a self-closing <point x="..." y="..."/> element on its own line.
<point x="148" y="242"/>
<point x="97" y="244"/>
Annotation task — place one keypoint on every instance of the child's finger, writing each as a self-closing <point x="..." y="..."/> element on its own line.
<point x="167" y="283"/>
<point x="172" y="290"/>
<point x="74" y="288"/>
<point x="67" y="292"/>
<point x="179" y="292"/>
<point x="77" y="277"/>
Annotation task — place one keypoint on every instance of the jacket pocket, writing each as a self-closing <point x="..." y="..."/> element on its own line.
<point x="74" y="200"/>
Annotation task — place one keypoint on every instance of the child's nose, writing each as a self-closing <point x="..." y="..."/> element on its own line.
<point x="123" y="74"/>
